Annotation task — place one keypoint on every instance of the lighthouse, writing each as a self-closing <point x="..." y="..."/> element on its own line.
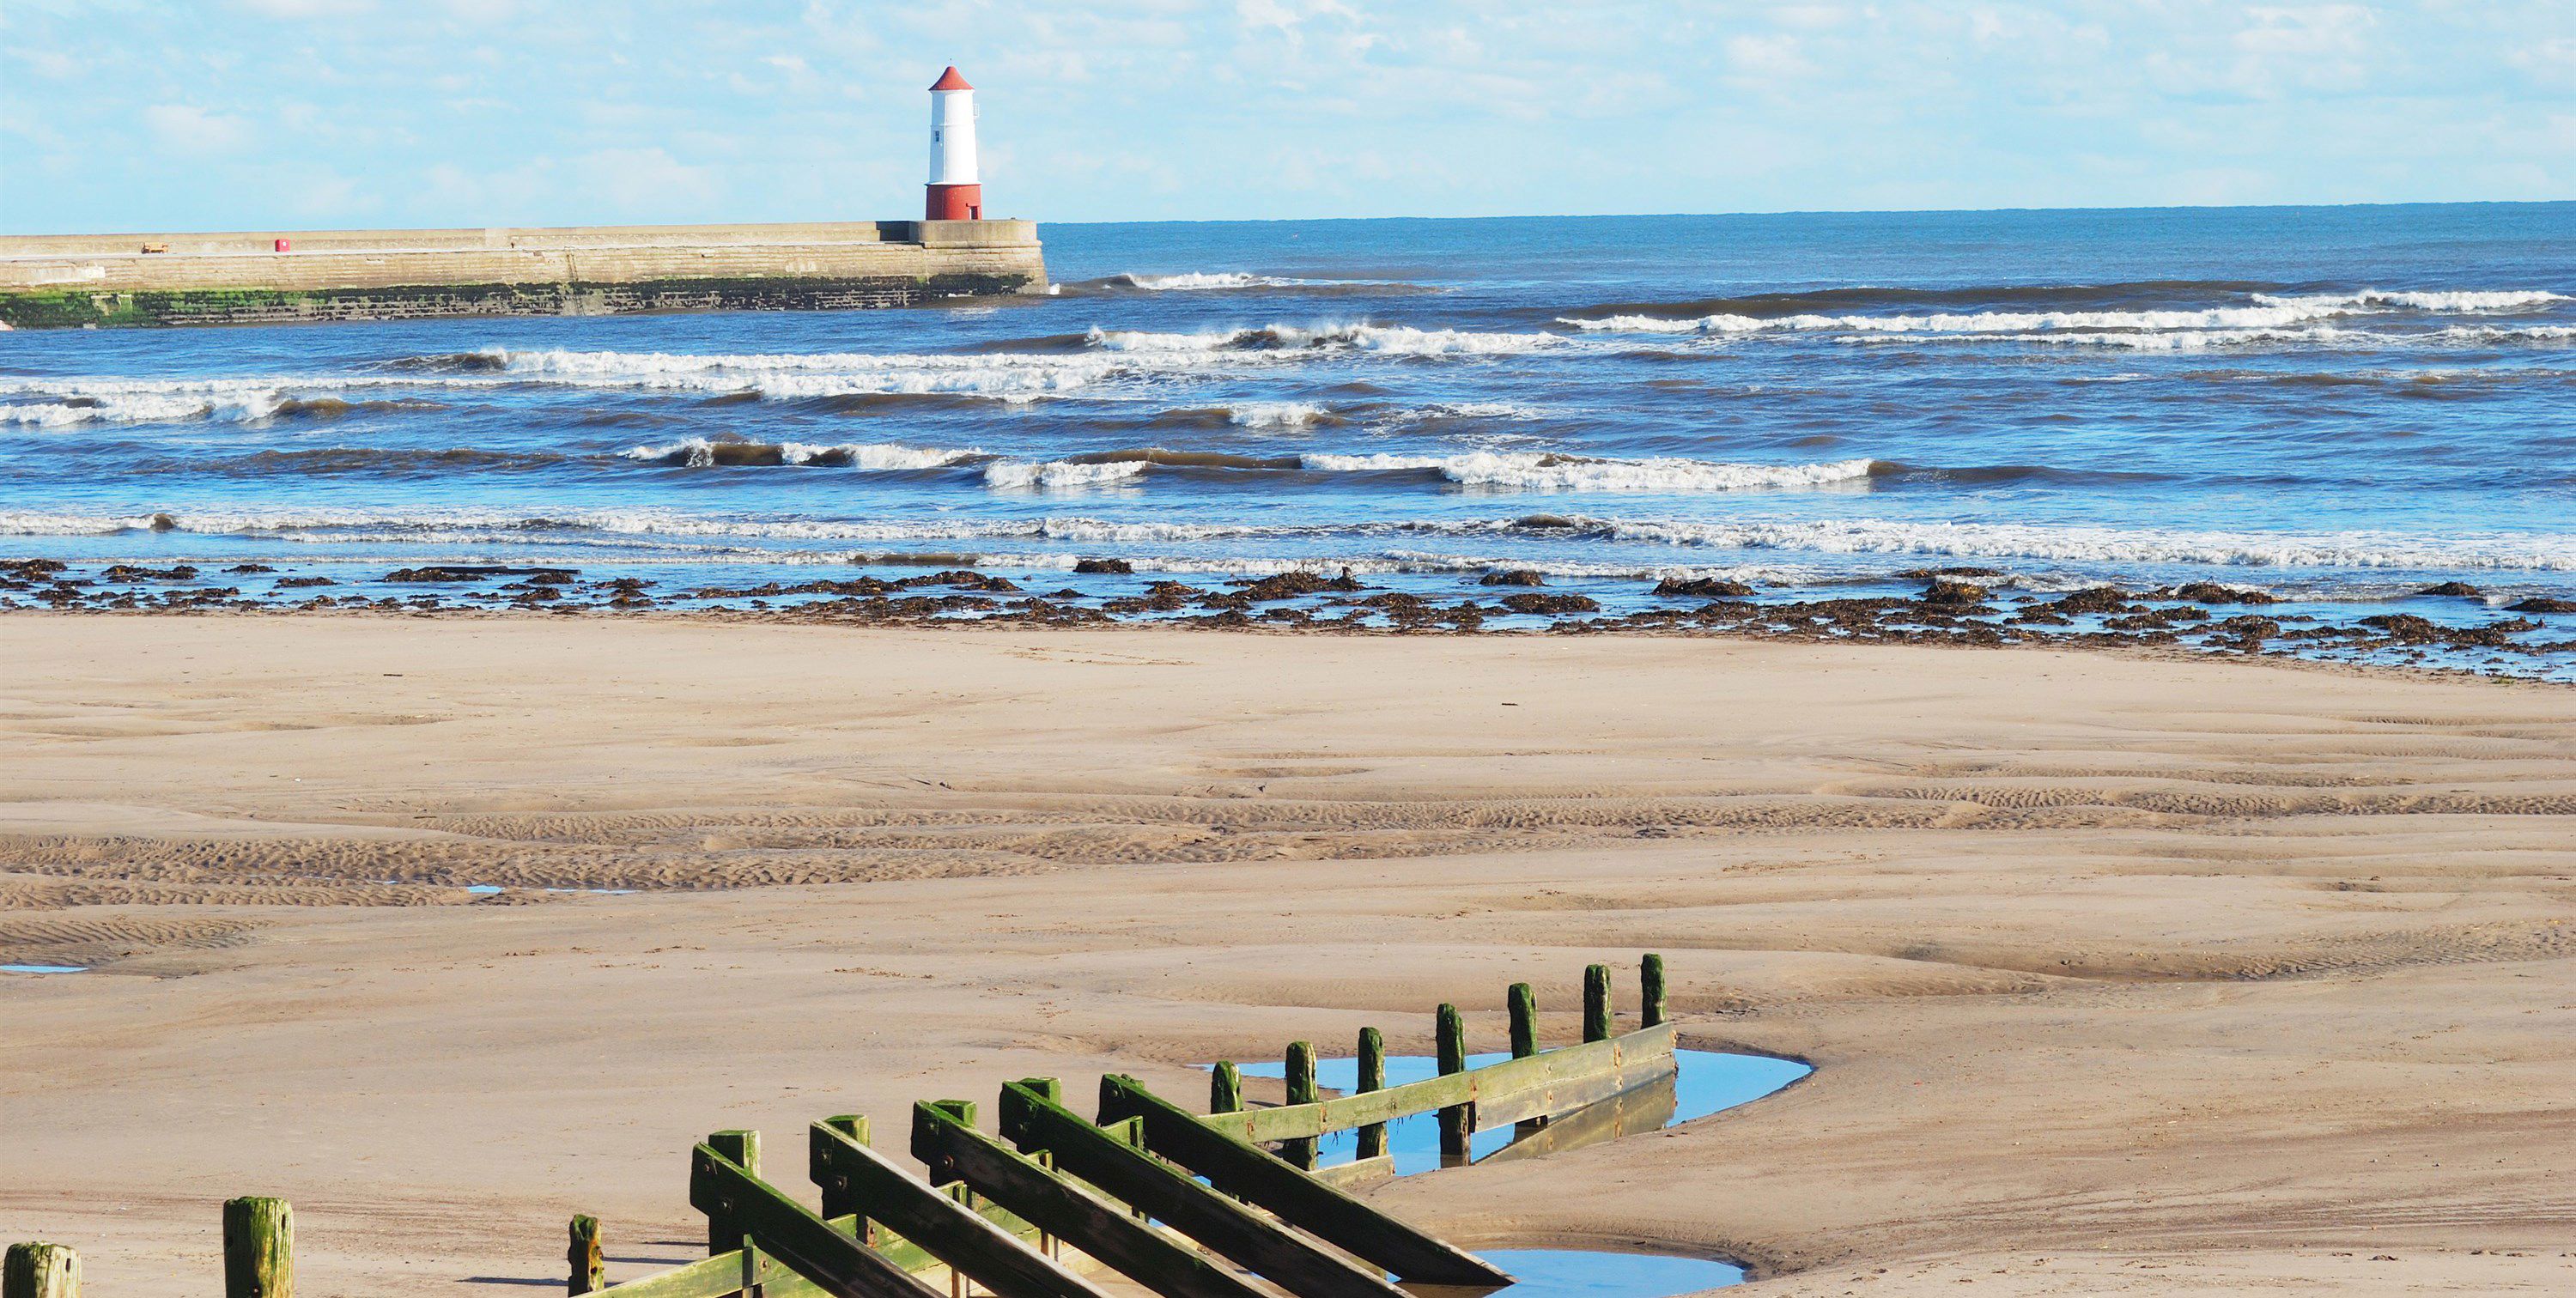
<point x="955" y="193"/>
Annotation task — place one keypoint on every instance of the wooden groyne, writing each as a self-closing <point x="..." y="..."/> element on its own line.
<point x="274" y="276"/>
<point x="1183" y="1204"/>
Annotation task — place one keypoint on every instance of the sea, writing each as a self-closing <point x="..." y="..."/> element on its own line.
<point x="2336" y="408"/>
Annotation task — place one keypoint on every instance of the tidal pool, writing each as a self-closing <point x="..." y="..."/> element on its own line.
<point x="1592" y="1273"/>
<point x="1704" y="1082"/>
<point x="43" y="968"/>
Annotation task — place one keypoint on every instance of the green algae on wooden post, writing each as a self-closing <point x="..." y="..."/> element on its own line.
<point x="259" y="1248"/>
<point x="1523" y="1006"/>
<point x="1301" y="1090"/>
<point x="724" y="1234"/>
<point x="1599" y="1020"/>
<point x="587" y="1274"/>
<point x="840" y="1197"/>
<point x="1650" y="980"/>
<point x="1372" y="1136"/>
<point x="1225" y="1088"/>
<point x="39" y="1270"/>
<point x="1452" y="1047"/>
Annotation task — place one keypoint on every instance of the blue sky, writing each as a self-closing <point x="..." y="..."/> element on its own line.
<point x="282" y="113"/>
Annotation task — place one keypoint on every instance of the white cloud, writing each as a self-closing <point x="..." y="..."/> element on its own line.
<point x="186" y="128"/>
<point x="295" y="9"/>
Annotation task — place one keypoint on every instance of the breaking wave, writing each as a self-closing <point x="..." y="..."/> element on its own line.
<point x="1543" y="471"/>
<point x="1395" y="340"/>
<point x="2349" y="550"/>
<point x="701" y="453"/>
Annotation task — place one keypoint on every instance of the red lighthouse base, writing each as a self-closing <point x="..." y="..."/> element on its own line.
<point x="954" y="203"/>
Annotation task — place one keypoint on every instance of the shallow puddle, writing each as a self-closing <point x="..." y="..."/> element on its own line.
<point x="44" y="968"/>
<point x="1590" y="1273"/>
<point x="1705" y="1082"/>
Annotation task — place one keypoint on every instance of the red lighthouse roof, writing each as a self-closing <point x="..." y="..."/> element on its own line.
<point x="949" y="80"/>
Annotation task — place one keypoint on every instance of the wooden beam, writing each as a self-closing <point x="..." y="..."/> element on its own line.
<point x="1372" y="1061"/>
<point x="1264" y="1181"/>
<point x="954" y="1151"/>
<point x="944" y="1228"/>
<point x="785" y="1229"/>
<point x="259" y="1248"/>
<point x="1492" y="1083"/>
<point x="1559" y="1097"/>
<point x="1457" y="1121"/>
<point x="39" y="1270"/>
<point x="1169" y="1195"/>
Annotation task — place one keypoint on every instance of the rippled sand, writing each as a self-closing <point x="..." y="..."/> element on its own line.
<point x="2120" y="974"/>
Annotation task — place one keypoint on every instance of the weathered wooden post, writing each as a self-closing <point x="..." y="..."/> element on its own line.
<point x="1372" y="1138"/>
<point x="1454" y="1124"/>
<point x="1225" y="1088"/>
<point x="1650" y="977"/>
<point x="724" y="1234"/>
<point x="1523" y="1004"/>
<point x="1599" y="1020"/>
<point x="259" y="1248"/>
<point x="588" y="1274"/>
<point x="840" y="1198"/>
<point x="40" y="1270"/>
<point x="1301" y="1090"/>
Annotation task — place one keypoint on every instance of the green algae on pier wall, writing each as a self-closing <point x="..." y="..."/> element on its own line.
<point x="75" y="307"/>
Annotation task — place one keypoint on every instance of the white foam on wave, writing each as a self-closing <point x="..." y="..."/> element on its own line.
<point x="819" y="374"/>
<point x="1393" y="340"/>
<point x="2034" y="541"/>
<point x="699" y="453"/>
<point x="2103" y="544"/>
<point x="2221" y="324"/>
<point x="1976" y="322"/>
<point x="1274" y="414"/>
<point x="1059" y="473"/>
<point x="2431" y="300"/>
<point x="1542" y="471"/>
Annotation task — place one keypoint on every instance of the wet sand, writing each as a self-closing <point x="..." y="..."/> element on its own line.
<point x="2120" y="974"/>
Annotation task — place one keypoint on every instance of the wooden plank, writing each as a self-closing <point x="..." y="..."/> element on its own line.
<point x="1255" y="1176"/>
<point x="1365" y="1171"/>
<point x="1556" y="1097"/>
<point x="1168" y="1195"/>
<point x="1271" y="1125"/>
<point x="259" y="1248"/>
<point x="40" y="1270"/>
<point x="785" y="1229"/>
<point x="1372" y="1062"/>
<point x="941" y="1226"/>
<point x="1647" y="1108"/>
<point x="1457" y="1121"/>
<point x="954" y="1151"/>
<point x="712" y="1277"/>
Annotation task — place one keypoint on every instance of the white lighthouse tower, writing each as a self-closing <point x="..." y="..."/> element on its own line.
<point x="955" y="192"/>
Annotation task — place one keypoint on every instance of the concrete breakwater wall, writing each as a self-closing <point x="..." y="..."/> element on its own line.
<point x="242" y="278"/>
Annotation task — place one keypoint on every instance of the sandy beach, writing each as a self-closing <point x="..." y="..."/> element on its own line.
<point x="2120" y="974"/>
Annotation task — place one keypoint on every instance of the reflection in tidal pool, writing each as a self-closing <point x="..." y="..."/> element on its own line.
<point x="1706" y="1081"/>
